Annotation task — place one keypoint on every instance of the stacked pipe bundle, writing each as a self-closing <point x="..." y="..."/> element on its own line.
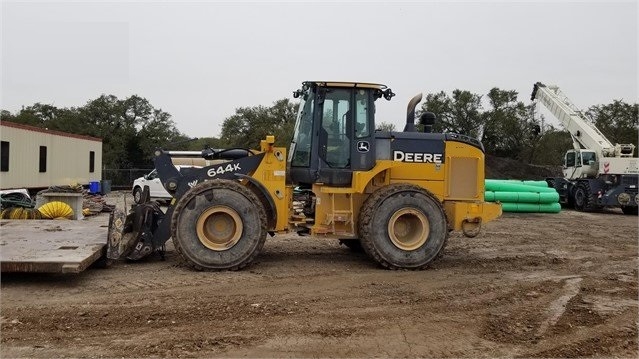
<point x="522" y="196"/>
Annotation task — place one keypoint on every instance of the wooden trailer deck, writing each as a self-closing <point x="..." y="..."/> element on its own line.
<point x="52" y="246"/>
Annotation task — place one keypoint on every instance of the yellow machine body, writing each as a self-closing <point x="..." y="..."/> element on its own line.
<point x="458" y="183"/>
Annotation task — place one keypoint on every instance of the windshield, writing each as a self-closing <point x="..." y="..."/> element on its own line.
<point x="300" y="150"/>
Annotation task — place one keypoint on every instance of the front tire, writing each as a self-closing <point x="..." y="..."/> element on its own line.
<point x="218" y="225"/>
<point x="631" y="211"/>
<point x="403" y="227"/>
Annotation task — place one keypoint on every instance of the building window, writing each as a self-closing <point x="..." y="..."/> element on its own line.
<point x="91" y="161"/>
<point x="43" y="158"/>
<point x="4" y="156"/>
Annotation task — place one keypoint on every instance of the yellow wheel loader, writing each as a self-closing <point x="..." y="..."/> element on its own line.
<point x="396" y="195"/>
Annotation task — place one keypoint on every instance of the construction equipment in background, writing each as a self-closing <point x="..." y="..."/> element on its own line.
<point x="596" y="172"/>
<point x="397" y="195"/>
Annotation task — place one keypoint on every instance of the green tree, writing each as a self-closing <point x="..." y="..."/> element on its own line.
<point x="130" y="129"/>
<point x="459" y="113"/>
<point x="385" y="127"/>
<point x="158" y="131"/>
<point x="42" y="115"/>
<point x="249" y="125"/>
<point x="618" y="121"/>
<point x="6" y="116"/>
<point x="202" y="143"/>
<point x="551" y="147"/>
<point x="509" y="129"/>
<point x="109" y="118"/>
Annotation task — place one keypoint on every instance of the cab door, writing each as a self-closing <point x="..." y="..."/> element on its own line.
<point x="363" y="144"/>
<point x="335" y="137"/>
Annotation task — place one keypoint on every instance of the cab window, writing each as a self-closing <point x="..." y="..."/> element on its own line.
<point x="587" y="157"/>
<point x="361" y="114"/>
<point x="336" y="125"/>
<point x="570" y="159"/>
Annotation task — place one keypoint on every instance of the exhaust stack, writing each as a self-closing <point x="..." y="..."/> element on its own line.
<point x="410" y="113"/>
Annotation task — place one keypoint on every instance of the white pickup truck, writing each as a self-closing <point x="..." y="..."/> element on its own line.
<point x="156" y="190"/>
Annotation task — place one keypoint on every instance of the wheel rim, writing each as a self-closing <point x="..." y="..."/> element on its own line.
<point x="219" y="228"/>
<point x="137" y="196"/>
<point x="408" y="229"/>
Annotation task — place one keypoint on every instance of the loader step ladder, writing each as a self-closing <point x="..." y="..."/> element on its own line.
<point x="341" y="220"/>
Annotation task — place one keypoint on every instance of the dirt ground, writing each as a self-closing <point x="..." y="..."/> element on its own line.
<point x="531" y="285"/>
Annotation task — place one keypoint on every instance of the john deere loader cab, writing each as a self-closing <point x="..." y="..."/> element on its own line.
<point x="334" y="132"/>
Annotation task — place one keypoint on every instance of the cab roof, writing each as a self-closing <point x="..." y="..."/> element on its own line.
<point x="346" y="84"/>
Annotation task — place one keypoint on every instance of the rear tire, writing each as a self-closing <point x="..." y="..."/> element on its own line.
<point x="583" y="198"/>
<point x="218" y="225"/>
<point x="403" y="227"/>
<point x="630" y="210"/>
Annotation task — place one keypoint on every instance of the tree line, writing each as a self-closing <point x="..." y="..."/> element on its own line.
<point x="131" y="128"/>
<point x="510" y="128"/>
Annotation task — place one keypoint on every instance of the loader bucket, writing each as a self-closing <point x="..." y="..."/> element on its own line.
<point x="130" y="236"/>
<point x="121" y="239"/>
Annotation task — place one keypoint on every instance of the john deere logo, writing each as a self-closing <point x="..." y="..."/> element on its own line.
<point x="363" y="146"/>
<point x="402" y="156"/>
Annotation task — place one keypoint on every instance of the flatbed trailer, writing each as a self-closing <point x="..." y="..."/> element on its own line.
<point x="52" y="246"/>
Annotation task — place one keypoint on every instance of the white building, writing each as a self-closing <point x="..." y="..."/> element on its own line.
<point x="33" y="157"/>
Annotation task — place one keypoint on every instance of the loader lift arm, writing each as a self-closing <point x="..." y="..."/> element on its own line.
<point x="152" y="227"/>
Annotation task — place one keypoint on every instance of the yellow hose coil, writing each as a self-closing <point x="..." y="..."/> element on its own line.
<point x="55" y="210"/>
<point x="16" y="213"/>
<point x="20" y="213"/>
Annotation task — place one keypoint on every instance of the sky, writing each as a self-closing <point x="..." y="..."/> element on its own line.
<point x="200" y="61"/>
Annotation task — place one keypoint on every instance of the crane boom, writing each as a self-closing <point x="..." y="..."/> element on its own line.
<point x="596" y="172"/>
<point x="583" y="132"/>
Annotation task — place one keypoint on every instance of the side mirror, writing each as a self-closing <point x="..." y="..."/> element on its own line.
<point x="146" y="177"/>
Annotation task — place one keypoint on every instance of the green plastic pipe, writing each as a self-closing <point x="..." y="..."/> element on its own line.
<point x="531" y="207"/>
<point x="532" y="183"/>
<point x="521" y="197"/>
<point x="510" y="186"/>
<point x="526" y="182"/>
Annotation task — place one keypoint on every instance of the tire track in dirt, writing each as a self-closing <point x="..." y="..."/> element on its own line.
<point x="558" y="306"/>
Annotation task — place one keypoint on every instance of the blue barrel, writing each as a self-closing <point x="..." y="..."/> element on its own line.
<point x="94" y="187"/>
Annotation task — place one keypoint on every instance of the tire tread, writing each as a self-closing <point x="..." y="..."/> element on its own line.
<point x="367" y="214"/>
<point x="210" y="185"/>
